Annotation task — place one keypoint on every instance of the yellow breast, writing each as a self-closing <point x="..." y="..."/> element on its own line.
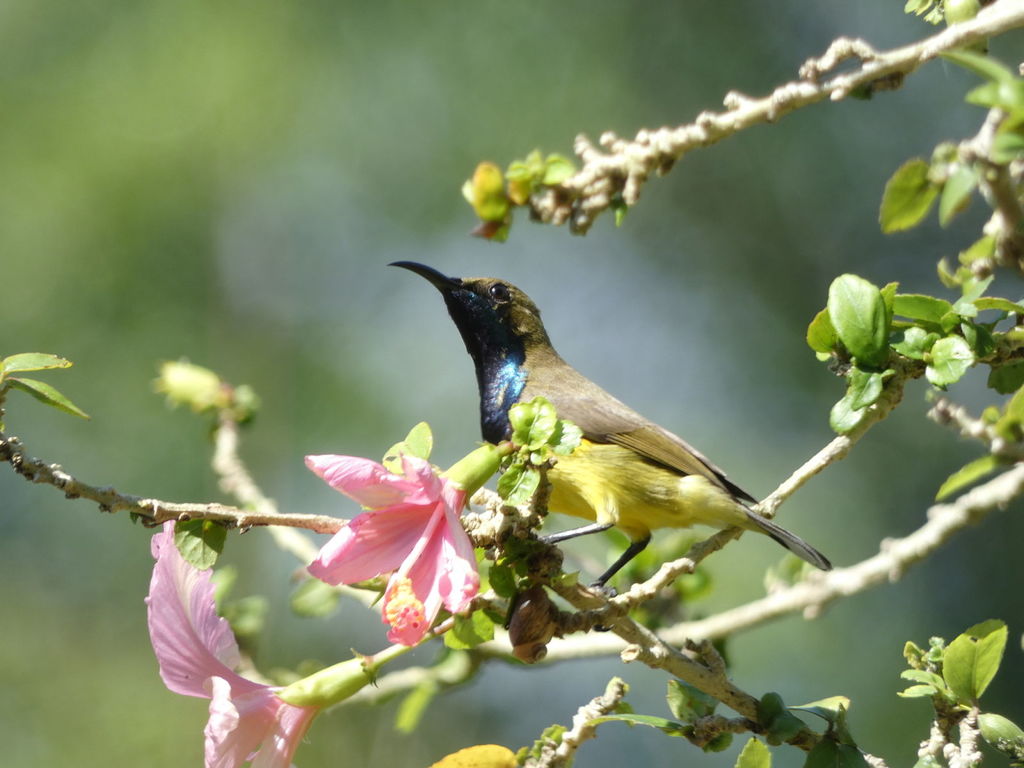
<point x="611" y="484"/>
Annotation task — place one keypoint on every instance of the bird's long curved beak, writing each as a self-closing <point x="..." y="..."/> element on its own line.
<point x="442" y="282"/>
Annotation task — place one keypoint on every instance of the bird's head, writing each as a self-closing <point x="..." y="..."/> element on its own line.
<point x="495" y="318"/>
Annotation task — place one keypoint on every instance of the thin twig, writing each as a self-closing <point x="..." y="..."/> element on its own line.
<point x="583" y="728"/>
<point x="615" y="176"/>
<point x="236" y="481"/>
<point x="153" y="511"/>
<point x="820" y="589"/>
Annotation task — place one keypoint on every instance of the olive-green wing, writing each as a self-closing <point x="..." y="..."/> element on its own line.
<point x="605" y="419"/>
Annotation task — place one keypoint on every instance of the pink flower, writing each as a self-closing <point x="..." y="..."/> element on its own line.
<point x="197" y="653"/>
<point x="412" y="528"/>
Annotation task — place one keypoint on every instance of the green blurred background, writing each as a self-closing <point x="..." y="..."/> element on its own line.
<point x="226" y="181"/>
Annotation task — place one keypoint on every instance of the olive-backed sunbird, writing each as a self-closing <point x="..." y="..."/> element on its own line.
<point x="627" y="472"/>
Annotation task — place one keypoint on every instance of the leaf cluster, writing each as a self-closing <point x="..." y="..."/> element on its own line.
<point x="493" y="193"/>
<point x="204" y="392"/>
<point x="538" y="437"/>
<point x="40" y="390"/>
<point x="953" y="173"/>
<point x="955" y="676"/>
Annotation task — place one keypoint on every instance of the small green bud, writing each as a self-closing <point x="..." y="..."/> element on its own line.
<point x="1002" y="733"/>
<point x="192" y="385"/>
<point x="328" y="686"/>
<point x="338" y="682"/>
<point x="471" y="472"/>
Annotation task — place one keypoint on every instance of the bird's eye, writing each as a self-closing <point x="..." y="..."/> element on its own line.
<point x="499" y="292"/>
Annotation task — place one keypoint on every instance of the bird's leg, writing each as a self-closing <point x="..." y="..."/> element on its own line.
<point x="555" y="538"/>
<point x="634" y="549"/>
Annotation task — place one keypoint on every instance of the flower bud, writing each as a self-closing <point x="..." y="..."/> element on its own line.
<point x="191" y="385"/>
<point x="470" y="473"/>
<point x="1003" y="734"/>
<point x="338" y="682"/>
<point x="328" y="686"/>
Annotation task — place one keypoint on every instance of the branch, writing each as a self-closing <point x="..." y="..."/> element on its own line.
<point x="154" y="511"/>
<point x="838" y="449"/>
<point x="820" y="589"/>
<point x="998" y="186"/>
<point x="236" y="481"/>
<point x="583" y="728"/>
<point x="614" y="177"/>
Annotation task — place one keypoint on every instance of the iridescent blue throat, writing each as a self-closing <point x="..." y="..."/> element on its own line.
<point x="501" y="383"/>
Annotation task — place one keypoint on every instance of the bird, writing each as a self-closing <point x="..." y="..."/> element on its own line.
<point x="627" y="472"/>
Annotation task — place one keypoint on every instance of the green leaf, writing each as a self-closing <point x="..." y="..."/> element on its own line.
<point x="1003" y="305"/>
<point x="919" y="306"/>
<point x="828" y="709"/>
<point x="485" y="191"/>
<point x="829" y="754"/>
<point x="754" y="755"/>
<point x="314" y="599"/>
<point x="907" y="198"/>
<point x="865" y="387"/>
<point x="662" y="724"/>
<point x="719" y="743"/>
<point x="968" y="474"/>
<point x="979" y="338"/>
<point x="224" y="580"/>
<point x="821" y="334"/>
<point x="1003" y="734"/>
<point x="566" y="438"/>
<point x="557" y="169"/>
<point x="1007" y="378"/>
<point x="470" y="631"/>
<point x="1007" y="146"/>
<point x="973" y="289"/>
<point x="518" y="484"/>
<point x="914" y="342"/>
<point x="925" y="677"/>
<point x="951" y="357"/>
<point x="779" y="723"/>
<point x="859" y="315"/>
<point x="984" y="248"/>
<point x="917" y="6"/>
<point x="200" y="542"/>
<point x="419" y="443"/>
<point x="981" y="65"/>
<point x="972" y="659"/>
<point x="688" y="703"/>
<point x="502" y="579"/>
<point x="411" y="710"/>
<point x="956" y="193"/>
<point x="620" y="208"/>
<point x="917" y="692"/>
<point x="31" y="361"/>
<point x="44" y="393"/>
<point x="533" y="423"/>
<point x="247" y="616"/>
<point x="843" y="417"/>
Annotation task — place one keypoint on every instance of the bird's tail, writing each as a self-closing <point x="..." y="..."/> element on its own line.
<point x="790" y="541"/>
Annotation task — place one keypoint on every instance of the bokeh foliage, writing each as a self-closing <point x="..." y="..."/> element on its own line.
<point x="225" y="182"/>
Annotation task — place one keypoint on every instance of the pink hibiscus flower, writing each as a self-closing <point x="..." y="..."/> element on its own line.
<point x="197" y="653"/>
<point x="411" y="529"/>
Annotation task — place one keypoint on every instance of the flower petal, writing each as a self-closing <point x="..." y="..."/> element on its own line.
<point x="372" y="543"/>
<point x="289" y="728"/>
<point x="242" y="723"/>
<point x="230" y="737"/>
<point x="362" y="480"/>
<point x="192" y="643"/>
